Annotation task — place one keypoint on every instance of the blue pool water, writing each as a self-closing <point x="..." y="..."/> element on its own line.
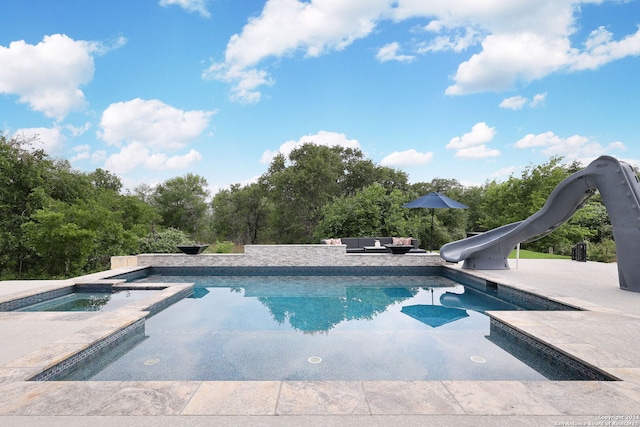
<point x="322" y="328"/>
<point x="89" y="301"/>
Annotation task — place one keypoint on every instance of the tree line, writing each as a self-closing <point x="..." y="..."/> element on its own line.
<point x="59" y="222"/>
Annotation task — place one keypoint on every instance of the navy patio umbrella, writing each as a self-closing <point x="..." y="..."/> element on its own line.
<point x="434" y="201"/>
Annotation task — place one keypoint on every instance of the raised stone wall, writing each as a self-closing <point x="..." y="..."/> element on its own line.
<point x="123" y="261"/>
<point x="286" y="255"/>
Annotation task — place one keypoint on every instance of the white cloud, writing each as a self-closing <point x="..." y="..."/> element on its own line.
<point x="98" y="156"/>
<point x="390" y="52"/>
<point x="83" y="152"/>
<point x="82" y="155"/>
<point x="514" y="102"/>
<point x="507" y="59"/>
<point x="48" y="76"/>
<point x="477" y="152"/>
<point x="406" y="158"/>
<point x="50" y="140"/>
<point x="504" y="172"/>
<point x="600" y="49"/>
<point x="480" y="134"/>
<point x="456" y="40"/>
<point x="575" y="147"/>
<point x="161" y="161"/>
<point x="135" y="155"/>
<point x="325" y="138"/>
<point x="78" y="130"/>
<point x="130" y="156"/>
<point x="152" y="123"/>
<point x="83" y="147"/>
<point x="542" y="16"/>
<point x="245" y="81"/>
<point x="540" y="140"/>
<point x="516" y="42"/>
<point x="434" y="26"/>
<point x="535" y="44"/>
<point x="517" y="102"/>
<point x="472" y="145"/>
<point x="145" y="129"/>
<point x="198" y="6"/>
<point x="288" y="26"/>
<point x="538" y="99"/>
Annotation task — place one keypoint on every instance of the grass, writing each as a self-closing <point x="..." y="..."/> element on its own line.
<point x="524" y="254"/>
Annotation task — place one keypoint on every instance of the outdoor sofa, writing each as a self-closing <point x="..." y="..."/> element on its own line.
<point x="357" y="244"/>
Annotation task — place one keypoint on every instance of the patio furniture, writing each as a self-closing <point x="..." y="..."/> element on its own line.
<point x="375" y="249"/>
<point x="358" y="244"/>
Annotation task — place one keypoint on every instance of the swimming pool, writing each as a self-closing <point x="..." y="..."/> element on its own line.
<point x="325" y="327"/>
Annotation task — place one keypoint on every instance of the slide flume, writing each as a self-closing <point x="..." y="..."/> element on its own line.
<point x="620" y="190"/>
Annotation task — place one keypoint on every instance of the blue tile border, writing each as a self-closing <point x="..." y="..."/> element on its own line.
<point x="166" y="302"/>
<point x="573" y="368"/>
<point x="95" y="350"/>
<point x="526" y="300"/>
<point x="296" y="270"/>
<point x="531" y="301"/>
<point x="133" y="275"/>
<point x="19" y="303"/>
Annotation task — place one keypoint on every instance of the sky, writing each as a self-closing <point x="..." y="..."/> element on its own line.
<point x="472" y="90"/>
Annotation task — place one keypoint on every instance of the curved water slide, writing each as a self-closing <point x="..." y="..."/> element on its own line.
<point x="620" y="190"/>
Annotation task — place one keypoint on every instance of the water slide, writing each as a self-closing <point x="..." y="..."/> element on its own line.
<point x="620" y="190"/>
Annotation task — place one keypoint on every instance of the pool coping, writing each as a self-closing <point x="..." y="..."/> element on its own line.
<point x="254" y="398"/>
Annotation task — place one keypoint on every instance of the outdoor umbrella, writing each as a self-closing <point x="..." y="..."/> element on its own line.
<point x="434" y="315"/>
<point x="434" y="201"/>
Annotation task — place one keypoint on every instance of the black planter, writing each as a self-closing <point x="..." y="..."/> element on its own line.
<point x="398" y="249"/>
<point x="192" y="249"/>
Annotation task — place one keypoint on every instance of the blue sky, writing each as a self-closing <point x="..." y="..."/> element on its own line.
<point x="468" y="89"/>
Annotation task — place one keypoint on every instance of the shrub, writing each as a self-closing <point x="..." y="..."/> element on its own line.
<point x="603" y="251"/>
<point x="163" y="242"/>
<point x="225" y="247"/>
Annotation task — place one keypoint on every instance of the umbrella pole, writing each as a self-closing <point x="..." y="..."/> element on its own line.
<point x="431" y="238"/>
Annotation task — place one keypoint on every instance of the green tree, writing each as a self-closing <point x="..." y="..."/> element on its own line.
<point x="372" y="211"/>
<point x="105" y="180"/>
<point x="136" y="215"/>
<point x="77" y="238"/>
<point x="359" y="173"/>
<point x="312" y="176"/>
<point x="58" y="221"/>
<point x="301" y="189"/>
<point x="240" y="214"/>
<point x="65" y="245"/>
<point x="472" y="197"/>
<point x="518" y="198"/>
<point x="182" y="204"/>
<point x="27" y="176"/>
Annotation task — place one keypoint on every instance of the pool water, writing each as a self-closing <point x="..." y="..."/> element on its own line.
<point x="89" y="301"/>
<point x="322" y="328"/>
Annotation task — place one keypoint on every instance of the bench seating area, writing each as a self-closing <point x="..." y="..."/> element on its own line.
<point x="358" y="244"/>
